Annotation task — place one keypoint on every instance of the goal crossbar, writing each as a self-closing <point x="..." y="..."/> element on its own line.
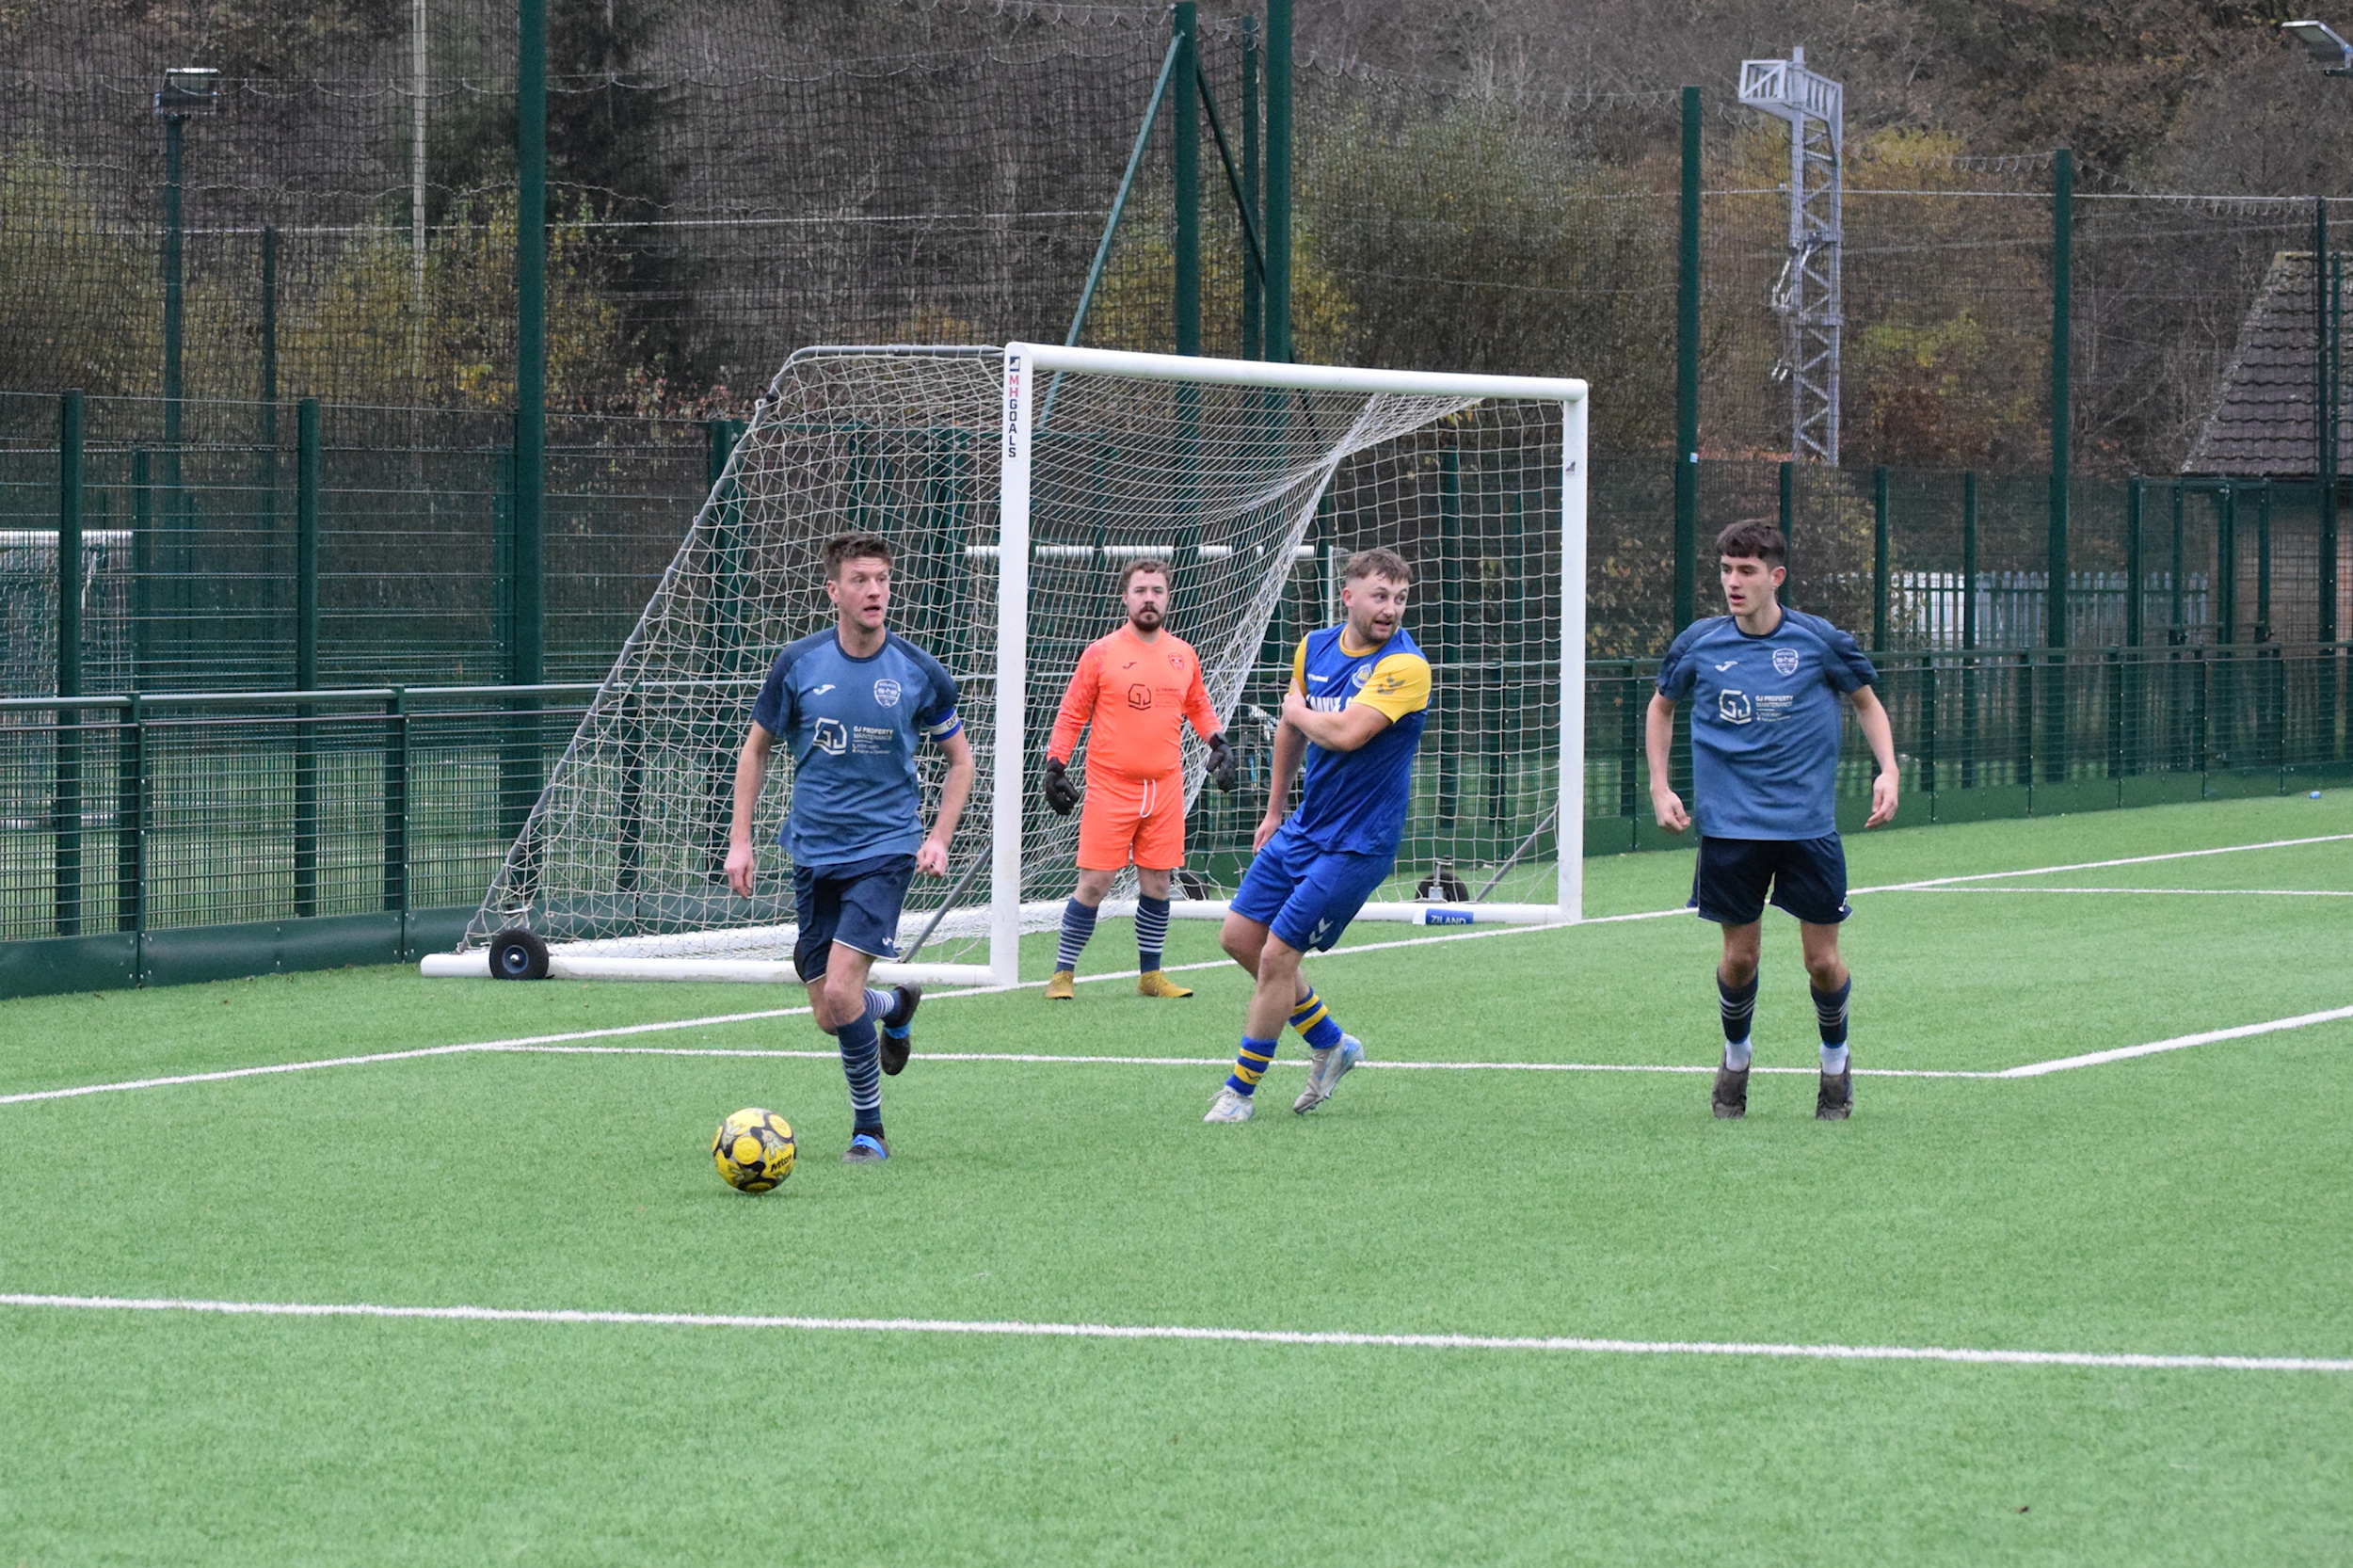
<point x="1280" y="486"/>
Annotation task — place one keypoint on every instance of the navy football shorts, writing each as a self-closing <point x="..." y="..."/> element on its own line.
<point x="856" y="904"/>
<point x="1305" y="895"/>
<point x="1807" y="877"/>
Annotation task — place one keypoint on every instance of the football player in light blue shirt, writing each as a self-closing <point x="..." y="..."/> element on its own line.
<point x="1766" y="724"/>
<point x="851" y="703"/>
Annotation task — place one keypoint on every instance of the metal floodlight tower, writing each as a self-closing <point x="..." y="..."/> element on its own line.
<point x="1806" y="297"/>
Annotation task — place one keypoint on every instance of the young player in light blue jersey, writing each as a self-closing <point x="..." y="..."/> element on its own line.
<point x="1360" y="695"/>
<point x="851" y="704"/>
<point x="1766" y="724"/>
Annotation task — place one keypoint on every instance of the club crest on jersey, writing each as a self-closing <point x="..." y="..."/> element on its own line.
<point x="1361" y="674"/>
<point x="830" y="736"/>
<point x="1734" y="707"/>
<point x="1785" y="661"/>
<point x="886" y="692"/>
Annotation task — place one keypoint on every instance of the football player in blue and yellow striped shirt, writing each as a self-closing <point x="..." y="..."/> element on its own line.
<point x="1360" y="695"/>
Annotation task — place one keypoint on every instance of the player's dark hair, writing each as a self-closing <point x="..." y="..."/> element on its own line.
<point x="1144" y="563"/>
<point x="1378" y="562"/>
<point x="854" y="547"/>
<point x="1755" y="540"/>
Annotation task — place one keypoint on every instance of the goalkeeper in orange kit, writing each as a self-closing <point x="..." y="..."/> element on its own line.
<point x="1136" y="688"/>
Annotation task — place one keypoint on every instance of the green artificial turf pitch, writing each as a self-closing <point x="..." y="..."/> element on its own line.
<point x="2190" y="1203"/>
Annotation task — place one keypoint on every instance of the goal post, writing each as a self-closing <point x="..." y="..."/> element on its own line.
<point x="1034" y="372"/>
<point x="1013" y="483"/>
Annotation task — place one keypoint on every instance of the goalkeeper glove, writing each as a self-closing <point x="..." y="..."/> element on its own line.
<point x="1222" y="762"/>
<point x="1059" y="795"/>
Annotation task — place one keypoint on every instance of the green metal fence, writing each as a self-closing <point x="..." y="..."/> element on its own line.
<point x="191" y="836"/>
<point x="151" y="840"/>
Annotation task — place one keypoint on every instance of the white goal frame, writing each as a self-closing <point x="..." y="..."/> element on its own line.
<point x="1028" y="370"/>
<point x="1025" y="365"/>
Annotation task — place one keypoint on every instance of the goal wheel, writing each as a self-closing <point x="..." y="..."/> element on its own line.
<point x="518" y="954"/>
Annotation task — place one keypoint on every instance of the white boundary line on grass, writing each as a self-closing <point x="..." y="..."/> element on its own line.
<point x="1014" y="1328"/>
<point x="552" y="1043"/>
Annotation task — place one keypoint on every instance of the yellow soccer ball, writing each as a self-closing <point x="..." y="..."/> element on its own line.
<point x="754" y="1150"/>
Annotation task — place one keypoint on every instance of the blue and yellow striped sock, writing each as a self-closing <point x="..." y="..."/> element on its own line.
<point x="1315" y="1024"/>
<point x="1250" y="1064"/>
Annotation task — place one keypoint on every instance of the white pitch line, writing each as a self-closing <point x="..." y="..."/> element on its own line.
<point x="2180" y="1042"/>
<point x="2102" y="865"/>
<point x="1016" y="1328"/>
<point x="2155" y="892"/>
<point x="1057" y="1059"/>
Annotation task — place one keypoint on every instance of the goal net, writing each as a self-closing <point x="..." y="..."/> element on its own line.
<point x="1013" y="484"/>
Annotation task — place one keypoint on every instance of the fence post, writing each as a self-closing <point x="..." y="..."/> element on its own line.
<point x="268" y="389"/>
<point x="2062" y="301"/>
<point x="142" y="565"/>
<point x="396" y="808"/>
<point x="1253" y="285"/>
<point x="2263" y="560"/>
<point x="2136" y="630"/>
<point x="1184" y="131"/>
<point x="527" y="654"/>
<point x="1969" y="629"/>
<point x="1878" y="559"/>
<point x="67" y="808"/>
<point x="1788" y="529"/>
<point x="307" y="462"/>
<point x="1688" y="373"/>
<point x="1278" y="181"/>
<point x="1630" y="705"/>
<point x="2025" y="768"/>
<point x="131" y="820"/>
<point x="1928" y="728"/>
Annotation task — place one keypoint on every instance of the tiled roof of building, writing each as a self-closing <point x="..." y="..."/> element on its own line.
<point x="2262" y="423"/>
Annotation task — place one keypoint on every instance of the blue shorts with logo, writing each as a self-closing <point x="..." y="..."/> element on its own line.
<point x="1807" y="877"/>
<point x="1306" y="895"/>
<point x="856" y="904"/>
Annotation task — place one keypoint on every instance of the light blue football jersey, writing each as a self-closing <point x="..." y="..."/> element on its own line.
<point x="1766" y="721"/>
<point x="851" y="726"/>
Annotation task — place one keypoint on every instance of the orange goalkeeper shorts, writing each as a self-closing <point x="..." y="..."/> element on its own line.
<point x="1132" y="819"/>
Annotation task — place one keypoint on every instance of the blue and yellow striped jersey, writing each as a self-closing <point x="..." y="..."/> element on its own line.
<point x="1356" y="801"/>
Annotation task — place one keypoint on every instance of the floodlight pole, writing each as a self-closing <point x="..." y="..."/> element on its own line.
<point x="1807" y="298"/>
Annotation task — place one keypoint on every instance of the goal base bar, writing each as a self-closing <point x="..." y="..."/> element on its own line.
<point x="1409" y="913"/>
<point x="765" y="972"/>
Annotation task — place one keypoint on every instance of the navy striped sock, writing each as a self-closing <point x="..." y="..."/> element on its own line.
<point x="1078" y="924"/>
<point x="861" y="1063"/>
<point x="1737" y="1004"/>
<point x="1830" y="1011"/>
<point x="1151" y="932"/>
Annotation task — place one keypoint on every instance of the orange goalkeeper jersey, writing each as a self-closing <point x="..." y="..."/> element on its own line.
<point x="1137" y="696"/>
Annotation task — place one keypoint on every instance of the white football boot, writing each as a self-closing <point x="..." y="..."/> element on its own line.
<point x="1229" y="1106"/>
<point x="1325" y="1068"/>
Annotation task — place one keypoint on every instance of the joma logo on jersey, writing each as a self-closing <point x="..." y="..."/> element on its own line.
<point x="1785" y="661"/>
<point x="1734" y="707"/>
<point x="886" y="692"/>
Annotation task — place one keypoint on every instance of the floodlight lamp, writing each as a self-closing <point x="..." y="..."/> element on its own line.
<point x="189" y="89"/>
<point x="2322" y="45"/>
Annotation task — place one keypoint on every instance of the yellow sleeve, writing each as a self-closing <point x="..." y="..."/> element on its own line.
<point x="1399" y="685"/>
<point x="1299" y="667"/>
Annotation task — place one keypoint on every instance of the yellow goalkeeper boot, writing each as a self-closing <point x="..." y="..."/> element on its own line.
<point x="1155" y="983"/>
<point x="1062" y="987"/>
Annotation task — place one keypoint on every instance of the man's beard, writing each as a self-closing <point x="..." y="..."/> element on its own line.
<point x="1144" y="620"/>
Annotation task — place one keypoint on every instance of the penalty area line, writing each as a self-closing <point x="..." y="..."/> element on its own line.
<point x="1021" y="1329"/>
